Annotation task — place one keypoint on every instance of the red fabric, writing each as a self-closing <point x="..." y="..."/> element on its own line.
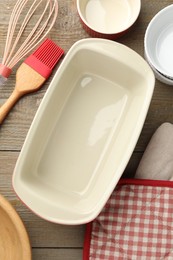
<point x="135" y="224"/>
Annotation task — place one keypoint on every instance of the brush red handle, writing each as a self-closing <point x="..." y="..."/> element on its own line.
<point x="7" y="106"/>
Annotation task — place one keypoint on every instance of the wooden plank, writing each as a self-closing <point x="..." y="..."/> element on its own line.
<point x="57" y="253"/>
<point x="52" y="241"/>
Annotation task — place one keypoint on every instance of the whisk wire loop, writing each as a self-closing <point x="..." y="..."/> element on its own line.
<point x="42" y="27"/>
<point x="20" y="4"/>
<point x="31" y="38"/>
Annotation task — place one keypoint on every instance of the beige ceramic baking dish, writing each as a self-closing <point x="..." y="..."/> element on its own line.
<point x="84" y="131"/>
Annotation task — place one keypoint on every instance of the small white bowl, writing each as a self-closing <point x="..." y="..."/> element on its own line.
<point x="158" y="42"/>
<point x="84" y="131"/>
<point x="162" y="78"/>
<point x="108" y="18"/>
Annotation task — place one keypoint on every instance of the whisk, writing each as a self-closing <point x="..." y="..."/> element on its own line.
<point x="19" y="42"/>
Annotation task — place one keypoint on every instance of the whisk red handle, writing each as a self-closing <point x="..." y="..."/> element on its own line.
<point x="5" y="71"/>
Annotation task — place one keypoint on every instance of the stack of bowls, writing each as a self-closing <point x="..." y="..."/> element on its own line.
<point x="158" y="45"/>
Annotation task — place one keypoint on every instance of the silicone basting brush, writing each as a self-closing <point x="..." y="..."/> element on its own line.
<point x="32" y="73"/>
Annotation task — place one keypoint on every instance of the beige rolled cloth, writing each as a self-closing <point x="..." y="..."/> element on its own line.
<point x="157" y="160"/>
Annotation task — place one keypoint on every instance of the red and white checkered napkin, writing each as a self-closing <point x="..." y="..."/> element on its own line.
<point x="135" y="224"/>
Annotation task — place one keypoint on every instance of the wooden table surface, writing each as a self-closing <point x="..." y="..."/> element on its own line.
<point x="52" y="241"/>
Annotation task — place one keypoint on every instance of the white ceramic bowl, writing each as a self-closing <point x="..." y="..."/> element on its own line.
<point x="158" y="42"/>
<point x="84" y="131"/>
<point x="108" y="19"/>
<point x="162" y="78"/>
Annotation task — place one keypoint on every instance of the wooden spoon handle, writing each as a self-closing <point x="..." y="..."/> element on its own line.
<point x="6" y="107"/>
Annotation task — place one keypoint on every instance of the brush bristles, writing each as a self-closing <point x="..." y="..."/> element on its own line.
<point x="48" y="53"/>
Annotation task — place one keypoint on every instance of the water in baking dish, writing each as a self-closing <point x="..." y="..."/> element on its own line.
<point x="108" y="16"/>
<point x="82" y="133"/>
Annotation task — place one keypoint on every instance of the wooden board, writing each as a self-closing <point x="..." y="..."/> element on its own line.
<point x="50" y="241"/>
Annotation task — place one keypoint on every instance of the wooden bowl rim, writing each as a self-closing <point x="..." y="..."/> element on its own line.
<point x="16" y="221"/>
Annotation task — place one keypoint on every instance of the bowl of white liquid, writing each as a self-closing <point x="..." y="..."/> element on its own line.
<point x="108" y="19"/>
